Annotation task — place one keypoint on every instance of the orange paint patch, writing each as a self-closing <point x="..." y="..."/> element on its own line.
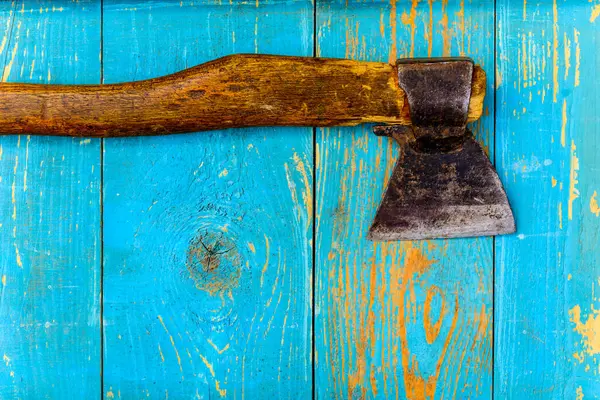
<point x="352" y="41"/>
<point x="429" y="32"/>
<point x="563" y="128"/>
<point x="589" y="330"/>
<point x="577" y="57"/>
<point x="446" y="33"/>
<point x="567" y="46"/>
<point x="560" y="215"/>
<point x="366" y="338"/>
<point x="418" y="388"/>
<point x="307" y="192"/>
<point x="524" y="59"/>
<point x="594" y="208"/>
<point x="460" y="15"/>
<point x="573" y="191"/>
<point x="394" y="45"/>
<point x="595" y="13"/>
<point x="432" y="330"/>
<point x="416" y="263"/>
<point x="409" y="19"/>
<point x="172" y="343"/>
<point x="555" y="52"/>
<point x="482" y="318"/>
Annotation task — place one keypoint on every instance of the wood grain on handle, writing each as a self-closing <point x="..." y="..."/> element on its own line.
<point x="233" y="91"/>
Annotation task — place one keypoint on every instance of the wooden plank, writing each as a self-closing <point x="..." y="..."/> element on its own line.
<point x="49" y="214"/>
<point x="548" y="133"/>
<point x="397" y="320"/>
<point x="207" y="236"/>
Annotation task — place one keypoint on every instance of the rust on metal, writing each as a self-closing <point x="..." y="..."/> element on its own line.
<point x="443" y="184"/>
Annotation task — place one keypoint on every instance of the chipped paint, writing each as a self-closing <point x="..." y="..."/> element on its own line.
<point x="573" y="191"/>
<point x="567" y="48"/>
<point x="307" y="189"/>
<point x="417" y="386"/>
<point x="577" y="57"/>
<point x="372" y="370"/>
<point x="595" y="13"/>
<point x="214" y="346"/>
<point x="18" y="256"/>
<point x="555" y="84"/>
<point x="563" y="127"/>
<point x="446" y="32"/>
<point x="589" y="330"/>
<point x="8" y="67"/>
<point x="359" y="342"/>
<point x="432" y="330"/>
<point x="266" y="264"/>
<point x="393" y="51"/>
<point x="594" y="208"/>
<point x="211" y="370"/>
<point x="559" y="237"/>
<point x="409" y="20"/>
<point x="172" y="344"/>
<point x="560" y="215"/>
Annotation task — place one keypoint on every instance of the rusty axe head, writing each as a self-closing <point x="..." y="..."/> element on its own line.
<point x="443" y="184"/>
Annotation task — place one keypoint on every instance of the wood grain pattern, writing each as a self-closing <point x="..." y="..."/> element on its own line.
<point x="49" y="214"/>
<point x="234" y="91"/>
<point x="396" y="320"/>
<point x="208" y="236"/>
<point x="547" y="275"/>
<point x="208" y="247"/>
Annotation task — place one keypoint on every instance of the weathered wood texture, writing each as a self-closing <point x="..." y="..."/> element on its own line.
<point x="208" y="236"/>
<point x="207" y="247"/>
<point x="547" y="318"/>
<point x="234" y="91"/>
<point x="396" y="320"/>
<point x="49" y="214"/>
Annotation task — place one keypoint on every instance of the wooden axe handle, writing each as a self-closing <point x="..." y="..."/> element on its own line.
<point x="233" y="91"/>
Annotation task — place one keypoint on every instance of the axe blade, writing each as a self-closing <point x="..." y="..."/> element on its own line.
<point x="443" y="195"/>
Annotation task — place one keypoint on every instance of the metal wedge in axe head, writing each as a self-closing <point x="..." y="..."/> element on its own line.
<point x="443" y="184"/>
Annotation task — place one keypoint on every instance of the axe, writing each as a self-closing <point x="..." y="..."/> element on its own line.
<point x="443" y="184"/>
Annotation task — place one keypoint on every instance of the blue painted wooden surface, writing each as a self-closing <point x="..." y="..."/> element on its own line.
<point x="49" y="214"/>
<point x="397" y="320"/>
<point x="548" y="135"/>
<point x="207" y="238"/>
